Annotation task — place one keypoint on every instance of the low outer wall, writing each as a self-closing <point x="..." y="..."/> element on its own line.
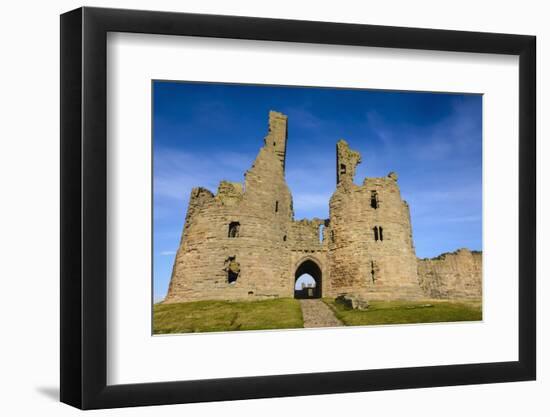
<point x="456" y="275"/>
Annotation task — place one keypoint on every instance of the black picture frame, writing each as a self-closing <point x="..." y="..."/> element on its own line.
<point x="84" y="207"/>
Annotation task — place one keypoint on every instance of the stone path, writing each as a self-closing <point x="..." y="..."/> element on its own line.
<point x="318" y="314"/>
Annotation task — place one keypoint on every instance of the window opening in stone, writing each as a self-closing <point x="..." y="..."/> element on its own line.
<point x="284" y="238"/>
<point x="276" y="206"/>
<point x="233" y="269"/>
<point x="375" y="233"/>
<point x="342" y="168"/>
<point x="381" y="233"/>
<point x="234" y="229"/>
<point x="372" y="271"/>
<point x="374" y="199"/>
<point x="232" y="277"/>
<point x="321" y="230"/>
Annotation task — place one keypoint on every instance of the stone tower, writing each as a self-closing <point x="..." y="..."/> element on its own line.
<point x="371" y="251"/>
<point x="233" y="244"/>
<point x="277" y="135"/>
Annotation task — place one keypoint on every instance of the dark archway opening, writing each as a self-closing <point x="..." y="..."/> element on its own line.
<point x="304" y="288"/>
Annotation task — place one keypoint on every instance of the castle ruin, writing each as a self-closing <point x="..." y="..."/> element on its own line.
<point x="243" y="242"/>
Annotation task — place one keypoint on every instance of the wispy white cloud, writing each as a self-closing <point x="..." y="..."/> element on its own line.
<point x="311" y="204"/>
<point x="312" y="182"/>
<point x="304" y="118"/>
<point x="448" y="193"/>
<point x="457" y="133"/>
<point x="177" y="172"/>
<point x="462" y="219"/>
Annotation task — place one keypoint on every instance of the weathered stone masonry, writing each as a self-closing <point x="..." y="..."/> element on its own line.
<point x="452" y="275"/>
<point x="243" y="241"/>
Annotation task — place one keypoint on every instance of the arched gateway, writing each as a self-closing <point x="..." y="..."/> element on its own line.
<point x="311" y="268"/>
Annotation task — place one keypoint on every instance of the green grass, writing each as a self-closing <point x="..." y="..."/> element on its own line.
<point x="221" y="316"/>
<point x="402" y="312"/>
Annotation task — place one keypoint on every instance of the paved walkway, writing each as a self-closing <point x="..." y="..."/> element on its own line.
<point x="318" y="314"/>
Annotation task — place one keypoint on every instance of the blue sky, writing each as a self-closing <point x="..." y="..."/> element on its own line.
<point x="204" y="133"/>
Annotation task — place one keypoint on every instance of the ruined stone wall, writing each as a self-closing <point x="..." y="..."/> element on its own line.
<point x="308" y="241"/>
<point x="377" y="264"/>
<point x="308" y="234"/>
<point x="243" y="241"/>
<point x="456" y="275"/>
<point x="258" y="251"/>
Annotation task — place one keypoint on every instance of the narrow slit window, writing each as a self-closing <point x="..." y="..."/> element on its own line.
<point x="373" y="271"/>
<point x="375" y="229"/>
<point x="380" y="231"/>
<point x="234" y="228"/>
<point x="276" y="206"/>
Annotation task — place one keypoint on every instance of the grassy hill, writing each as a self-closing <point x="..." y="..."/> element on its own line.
<point x="403" y="312"/>
<point x="220" y="316"/>
<point x="285" y="313"/>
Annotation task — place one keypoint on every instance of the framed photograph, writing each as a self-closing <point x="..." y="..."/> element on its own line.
<point x="259" y="208"/>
